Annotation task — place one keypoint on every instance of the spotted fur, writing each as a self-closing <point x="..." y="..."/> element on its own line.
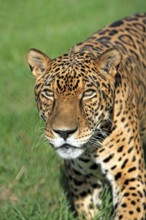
<point x="93" y="100"/>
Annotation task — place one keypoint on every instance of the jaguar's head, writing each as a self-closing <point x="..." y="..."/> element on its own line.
<point x="74" y="95"/>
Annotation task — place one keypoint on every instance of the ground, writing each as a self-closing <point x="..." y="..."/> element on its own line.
<point x="26" y="161"/>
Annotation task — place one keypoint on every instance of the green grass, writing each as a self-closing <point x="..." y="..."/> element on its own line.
<point x="31" y="183"/>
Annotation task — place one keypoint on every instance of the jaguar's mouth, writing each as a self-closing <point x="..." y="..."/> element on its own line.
<point x="67" y="146"/>
<point x="68" y="151"/>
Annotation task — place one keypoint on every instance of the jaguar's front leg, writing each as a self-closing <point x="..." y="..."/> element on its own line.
<point x="85" y="188"/>
<point x="122" y="161"/>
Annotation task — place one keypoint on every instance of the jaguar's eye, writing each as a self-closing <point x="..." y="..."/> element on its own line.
<point x="48" y="93"/>
<point x="89" y="93"/>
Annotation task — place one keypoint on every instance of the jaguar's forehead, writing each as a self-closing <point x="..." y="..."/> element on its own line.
<point x="72" y="61"/>
<point x="68" y="73"/>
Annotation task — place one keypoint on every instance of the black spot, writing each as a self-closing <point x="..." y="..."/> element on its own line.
<point x="116" y="205"/>
<point x="134" y="158"/>
<point x="144" y="205"/>
<point x="130" y="149"/>
<point x="126" y="127"/>
<point x="124" y="205"/>
<point x="120" y="148"/>
<point x="78" y="183"/>
<point x="129" y="180"/>
<point x="130" y="139"/>
<point x="132" y="169"/>
<point x="96" y="186"/>
<point x="120" y="158"/>
<point x="118" y="80"/>
<point x="83" y="194"/>
<point x="118" y="141"/>
<point x="94" y="167"/>
<point x="133" y="202"/>
<point x="90" y="206"/>
<point x="76" y="172"/>
<point x="84" y="160"/>
<point x="104" y="39"/>
<point x="140" y="194"/>
<point x="104" y="96"/>
<point x="134" y="194"/>
<point x="131" y="212"/>
<point x="97" y="83"/>
<point x="124" y="163"/>
<point x="104" y="85"/>
<point x="126" y="194"/>
<point x="138" y="209"/>
<point x="113" y="32"/>
<point x="118" y="175"/>
<point x="108" y="158"/>
<point x="112" y="168"/>
<point x="123" y="119"/>
<point x="57" y="69"/>
<point x="116" y="24"/>
<point x="132" y="188"/>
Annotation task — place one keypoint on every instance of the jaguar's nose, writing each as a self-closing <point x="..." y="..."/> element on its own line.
<point x="65" y="133"/>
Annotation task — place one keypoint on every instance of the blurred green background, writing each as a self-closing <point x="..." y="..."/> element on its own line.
<point x="31" y="184"/>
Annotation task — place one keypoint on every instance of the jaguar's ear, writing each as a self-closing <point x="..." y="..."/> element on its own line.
<point x="109" y="61"/>
<point x="38" y="62"/>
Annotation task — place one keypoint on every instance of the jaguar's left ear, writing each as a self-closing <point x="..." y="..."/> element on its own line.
<point x="108" y="61"/>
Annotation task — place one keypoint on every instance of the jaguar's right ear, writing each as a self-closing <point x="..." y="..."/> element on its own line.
<point x="38" y="62"/>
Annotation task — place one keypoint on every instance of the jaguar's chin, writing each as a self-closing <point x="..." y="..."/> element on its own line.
<point x="67" y="151"/>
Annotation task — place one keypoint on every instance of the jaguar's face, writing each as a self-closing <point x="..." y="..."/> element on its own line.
<point x="74" y="98"/>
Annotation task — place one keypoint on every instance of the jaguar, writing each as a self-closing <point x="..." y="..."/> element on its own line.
<point x="93" y="102"/>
